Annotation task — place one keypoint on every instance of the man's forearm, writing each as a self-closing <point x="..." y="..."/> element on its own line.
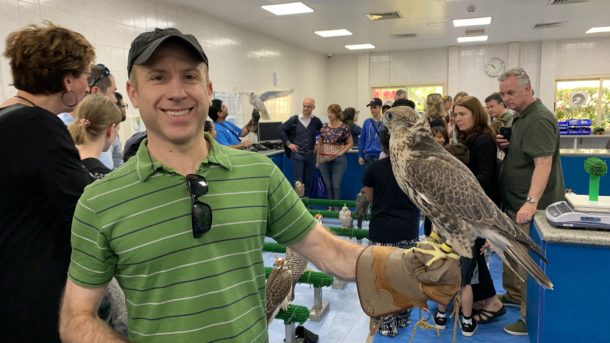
<point x="329" y="252"/>
<point x="540" y="176"/>
<point x="87" y="329"/>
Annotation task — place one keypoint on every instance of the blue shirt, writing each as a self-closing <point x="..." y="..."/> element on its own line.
<point x="369" y="142"/>
<point x="227" y="133"/>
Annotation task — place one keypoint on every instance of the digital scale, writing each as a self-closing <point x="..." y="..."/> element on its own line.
<point x="580" y="213"/>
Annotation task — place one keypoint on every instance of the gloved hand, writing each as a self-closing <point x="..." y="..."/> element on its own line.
<point x="391" y="280"/>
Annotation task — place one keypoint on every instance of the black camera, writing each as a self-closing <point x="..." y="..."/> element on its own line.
<point x="505" y="132"/>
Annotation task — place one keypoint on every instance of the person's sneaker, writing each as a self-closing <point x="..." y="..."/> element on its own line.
<point x="517" y="328"/>
<point x="468" y="329"/>
<point x="388" y="330"/>
<point x="440" y="321"/>
<point x="507" y="301"/>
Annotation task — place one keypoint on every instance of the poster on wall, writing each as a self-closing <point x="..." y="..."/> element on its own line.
<point x="386" y="94"/>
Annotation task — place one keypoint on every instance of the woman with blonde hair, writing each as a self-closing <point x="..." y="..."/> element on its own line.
<point x="94" y="130"/>
<point x="335" y="140"/>
<point x="41" y="177"/>
<point x="435" y="110"/>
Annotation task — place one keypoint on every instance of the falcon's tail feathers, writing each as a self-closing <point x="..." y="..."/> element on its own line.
<point x="519" y="252"/>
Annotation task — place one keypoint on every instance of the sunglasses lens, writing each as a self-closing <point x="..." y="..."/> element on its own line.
<point x="197" y="185"/>
<point x="202" y="219"/>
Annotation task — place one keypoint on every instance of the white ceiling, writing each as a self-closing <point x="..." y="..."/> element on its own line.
<point x="513" y="20"/>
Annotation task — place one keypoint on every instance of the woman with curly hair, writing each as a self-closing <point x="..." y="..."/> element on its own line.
<point x="41" y="177"/>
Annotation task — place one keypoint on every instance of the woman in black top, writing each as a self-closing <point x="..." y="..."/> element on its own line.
<point x="41" y="177"/>
<point x="473" y="131"/>
<point x="94" y="130"/>
<point x="394" y="219"/>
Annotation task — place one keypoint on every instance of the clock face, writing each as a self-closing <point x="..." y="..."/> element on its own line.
<point x="494" y="67"/>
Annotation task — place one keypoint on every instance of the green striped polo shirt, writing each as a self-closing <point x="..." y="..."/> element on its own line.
<point x="135" y="224"/>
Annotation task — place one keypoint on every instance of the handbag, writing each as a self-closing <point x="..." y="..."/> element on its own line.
<point x="329" y="152"/>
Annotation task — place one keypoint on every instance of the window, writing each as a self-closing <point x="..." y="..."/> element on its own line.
<point x="581" y="99"/>
<point x="417" y="94"/>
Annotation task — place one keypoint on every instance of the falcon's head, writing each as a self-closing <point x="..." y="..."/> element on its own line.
<point x="405" y="120"/>
<point x="400" y="117"/>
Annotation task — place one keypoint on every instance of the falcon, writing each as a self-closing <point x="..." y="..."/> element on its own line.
<point x="362" y="206"/>
<point x="345" y="217"/>
<point x="296" y="264"/>
<point x="447" y="192"/>
<point x="277" y="289"/>
<point x="258" y="101"/>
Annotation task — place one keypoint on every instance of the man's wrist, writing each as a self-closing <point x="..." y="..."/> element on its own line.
<point x="531" y="200"/>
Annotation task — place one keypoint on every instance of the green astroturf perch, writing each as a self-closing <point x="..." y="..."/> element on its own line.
<point x="596" y="168"/>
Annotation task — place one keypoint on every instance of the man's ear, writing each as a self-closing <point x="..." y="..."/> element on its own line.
<point x="94" y="90"/>
<point x="132" y="93"/>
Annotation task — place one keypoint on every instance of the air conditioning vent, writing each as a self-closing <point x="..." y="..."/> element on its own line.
<point x="404" y="35"/>
<point x="541" y="26"/>
<point x="383" y="16"/>
<point x="476" y="32"/>
<point x="563" y="2"/>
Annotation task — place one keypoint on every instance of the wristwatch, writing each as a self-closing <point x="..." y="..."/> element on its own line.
<point x="531" y="200"/>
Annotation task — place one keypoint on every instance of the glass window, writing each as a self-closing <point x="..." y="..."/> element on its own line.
<point x="417" y="94"/>
<point x="583" y="99"/>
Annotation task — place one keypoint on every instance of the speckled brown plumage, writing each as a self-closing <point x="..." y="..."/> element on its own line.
<point x="447" y="192"/>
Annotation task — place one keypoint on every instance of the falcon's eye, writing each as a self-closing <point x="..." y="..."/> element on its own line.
<point x="389" y="115"/>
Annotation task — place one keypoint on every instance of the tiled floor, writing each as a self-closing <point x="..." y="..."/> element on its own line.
<point x="346" y="323"/>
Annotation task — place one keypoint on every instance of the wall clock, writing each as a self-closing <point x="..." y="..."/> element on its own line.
<point x="494" y="67"/>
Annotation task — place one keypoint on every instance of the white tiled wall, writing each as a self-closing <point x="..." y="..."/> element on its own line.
<point x="240" y="61"/>
<point x="462" y="68"/>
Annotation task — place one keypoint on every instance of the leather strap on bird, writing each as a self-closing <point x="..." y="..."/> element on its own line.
<point x="391" y="280"/>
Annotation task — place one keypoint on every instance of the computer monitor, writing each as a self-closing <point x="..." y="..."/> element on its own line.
<point x="267" y="131"/>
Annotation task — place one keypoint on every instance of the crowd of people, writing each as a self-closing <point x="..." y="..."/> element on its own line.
<point x="173" y="235"/>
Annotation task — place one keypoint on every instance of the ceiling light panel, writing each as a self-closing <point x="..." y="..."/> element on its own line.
<point x="598" y="29"/>
<point x="288" y="8"/>
<point x="472" y="39"/>
<point x="360" y="46"/>
<point x="471" y="22"/>
<point x="333" y="33"/>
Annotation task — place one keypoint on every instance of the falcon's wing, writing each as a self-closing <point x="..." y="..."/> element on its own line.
<point x="448" y="185"/>
<point x="274" y="94"/>
<point x="277" y="290"/>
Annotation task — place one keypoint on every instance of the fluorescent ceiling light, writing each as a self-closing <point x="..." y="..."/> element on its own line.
<point x="288" y="8"/>
<point x="469" y="39"/>
<point x="360" y="46"/>
<point x="471" y="22"/>
<point x="333" y="33"/>
<point x="598" y="29"/>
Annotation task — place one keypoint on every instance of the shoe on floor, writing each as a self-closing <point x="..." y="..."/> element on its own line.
<point x="440" y="322"/>
<point x="507" y="301"/>
<point x="468" y="329"/>
<point x="485" y="316"/>
<point x="517" y="328"/>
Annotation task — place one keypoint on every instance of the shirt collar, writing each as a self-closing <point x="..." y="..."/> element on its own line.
<point x="530" y="108"/>
<point x="146" y="165"/>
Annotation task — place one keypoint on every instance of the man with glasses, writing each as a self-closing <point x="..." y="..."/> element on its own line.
<point x="299" y="134"/>
<point x="101" y="82"/>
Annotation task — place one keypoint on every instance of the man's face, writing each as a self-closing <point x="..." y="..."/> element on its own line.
<point x="375" y="111"/>
<point x="308" y="106"/>
<point x="515" y="97"/>
<point x="495" y="109"/>
<point x="172" y="92"/>
<point x="109" y="93"/>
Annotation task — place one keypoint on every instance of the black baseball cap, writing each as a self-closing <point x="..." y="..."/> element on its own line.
<point x="375" y="102"/>
<point x="145" y="45"/>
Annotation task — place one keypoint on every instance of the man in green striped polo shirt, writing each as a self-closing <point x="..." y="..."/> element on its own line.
<point x="182" y="224"/>
<point x="143" y="224"/>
